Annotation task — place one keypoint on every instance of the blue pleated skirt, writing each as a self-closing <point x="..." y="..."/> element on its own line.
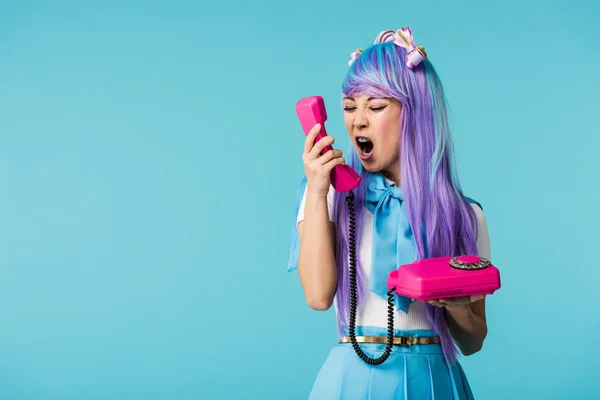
<point x="410" y="373"/>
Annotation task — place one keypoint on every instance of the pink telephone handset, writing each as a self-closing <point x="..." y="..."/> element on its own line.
<point x="311" y="111"/>
<point x="445" y="277"/>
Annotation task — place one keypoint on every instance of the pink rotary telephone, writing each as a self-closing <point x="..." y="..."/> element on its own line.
<point x="445" y="277"/>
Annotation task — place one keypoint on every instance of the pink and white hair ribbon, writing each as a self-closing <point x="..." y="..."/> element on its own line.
<point x="353" y="56"/>
<point x="402" y="37"/>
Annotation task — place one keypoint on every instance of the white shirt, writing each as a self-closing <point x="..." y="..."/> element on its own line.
<point x="374" y="308"/>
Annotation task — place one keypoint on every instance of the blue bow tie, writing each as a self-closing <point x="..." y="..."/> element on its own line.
<point x="393" y="242"/>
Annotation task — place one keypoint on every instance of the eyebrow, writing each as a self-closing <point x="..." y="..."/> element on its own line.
<point x="352" y="98"/>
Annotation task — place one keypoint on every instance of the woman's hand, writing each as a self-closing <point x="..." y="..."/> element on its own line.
<point x="317" y="166"/>
<point x="456" y="302"/>
<point x="466" y="321"/>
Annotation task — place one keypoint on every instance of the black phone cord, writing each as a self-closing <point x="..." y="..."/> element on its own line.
<point x="353" y="294"/>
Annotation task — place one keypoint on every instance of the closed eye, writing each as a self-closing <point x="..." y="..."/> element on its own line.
<point x="349" y="109"/>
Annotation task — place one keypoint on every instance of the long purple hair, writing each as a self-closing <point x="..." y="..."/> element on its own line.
<point x="439" y="214"/>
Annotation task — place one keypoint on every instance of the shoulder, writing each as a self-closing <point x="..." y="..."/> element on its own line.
<point x="478" y="209"/>
<point x="478" y="212"/>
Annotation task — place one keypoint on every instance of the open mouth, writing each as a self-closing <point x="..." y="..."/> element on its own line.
<point x="365" y="146"/>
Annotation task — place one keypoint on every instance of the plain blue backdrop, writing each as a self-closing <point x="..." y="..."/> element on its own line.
<point x="149" y="160"/>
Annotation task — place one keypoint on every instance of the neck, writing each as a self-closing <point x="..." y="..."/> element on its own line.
<point x="392" y="173"/>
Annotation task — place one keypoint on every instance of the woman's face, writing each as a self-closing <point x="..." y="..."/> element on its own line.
<point x="374" y="128"/>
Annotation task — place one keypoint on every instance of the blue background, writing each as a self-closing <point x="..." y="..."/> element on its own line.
<point x="149" y="160"/>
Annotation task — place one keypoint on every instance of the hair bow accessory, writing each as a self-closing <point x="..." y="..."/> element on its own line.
<point x="402" y="37"/>
<point x="353" y="56"/>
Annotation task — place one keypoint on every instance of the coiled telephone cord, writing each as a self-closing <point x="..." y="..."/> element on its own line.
<point x="353" y="294"/>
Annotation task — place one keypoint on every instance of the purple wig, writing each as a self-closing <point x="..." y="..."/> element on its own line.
<point x="436" y="207"/>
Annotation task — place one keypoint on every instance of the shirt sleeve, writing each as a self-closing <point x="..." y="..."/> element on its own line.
<point x="483" y="238"/>
<point x="330" y="195"/>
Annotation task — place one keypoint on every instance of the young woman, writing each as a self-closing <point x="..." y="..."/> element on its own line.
<point x="409" y="206"/>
